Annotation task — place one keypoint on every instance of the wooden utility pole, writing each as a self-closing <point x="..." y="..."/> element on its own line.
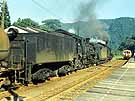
<point x="3" y="13"/>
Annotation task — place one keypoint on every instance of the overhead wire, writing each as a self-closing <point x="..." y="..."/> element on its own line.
<point x="46" y="9"/>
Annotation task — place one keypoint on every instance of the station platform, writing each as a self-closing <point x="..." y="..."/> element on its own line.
<point x="120" y="86"/>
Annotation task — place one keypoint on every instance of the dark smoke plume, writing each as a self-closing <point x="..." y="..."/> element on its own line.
<point x="92" y="27"/>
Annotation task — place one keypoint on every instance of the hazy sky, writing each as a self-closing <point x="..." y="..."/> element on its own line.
<point x="67" y="10"/>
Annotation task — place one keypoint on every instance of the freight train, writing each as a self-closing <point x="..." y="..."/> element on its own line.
<point x="35" y="57"/>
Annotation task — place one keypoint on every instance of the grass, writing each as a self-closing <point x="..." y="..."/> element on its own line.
<point x="117" y="57"/>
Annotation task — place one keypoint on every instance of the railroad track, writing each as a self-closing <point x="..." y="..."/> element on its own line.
<point x="81" y="87"/>
<point x="75" y="87"/>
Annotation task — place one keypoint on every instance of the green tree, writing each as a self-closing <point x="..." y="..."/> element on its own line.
<point x="50" y="24"/>
<point x="7" y="21"/>
<point x="27" y="22"/>
<point x="129" y="43"/>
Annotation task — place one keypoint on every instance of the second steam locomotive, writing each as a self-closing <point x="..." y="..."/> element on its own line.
<point x="36" y="57"/>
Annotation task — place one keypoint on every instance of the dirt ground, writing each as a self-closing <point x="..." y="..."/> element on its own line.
<point x="55" y="85"/>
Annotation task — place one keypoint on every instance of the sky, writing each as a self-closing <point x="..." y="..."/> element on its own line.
<point x="67" y="10"/>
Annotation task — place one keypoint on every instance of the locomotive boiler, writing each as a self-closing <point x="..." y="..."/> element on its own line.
<point x="4" y="45"/>
<point x="4" y="41"/>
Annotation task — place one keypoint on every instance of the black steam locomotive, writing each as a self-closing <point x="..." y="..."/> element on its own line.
<point x="36" y="57"/>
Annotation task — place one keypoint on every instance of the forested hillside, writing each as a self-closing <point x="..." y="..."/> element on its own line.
<point x="118" y="29"/>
